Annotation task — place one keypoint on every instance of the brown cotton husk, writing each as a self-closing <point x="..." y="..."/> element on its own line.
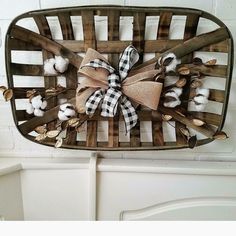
<point x="8" y="94"/>
<point x="220" y="135"/>
<point x="184" y="70"/>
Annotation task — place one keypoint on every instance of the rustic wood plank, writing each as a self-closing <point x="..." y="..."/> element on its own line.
<point x="162" y="34"/>
<point x="138" y="43"/>
<point x="49" y="81"/>
<point x="90" y="42"/>
<point x="113" y="34"/>
<point x="117" y="46"/>
<point x="191" y="25"/>
<point x="71" y="73"/>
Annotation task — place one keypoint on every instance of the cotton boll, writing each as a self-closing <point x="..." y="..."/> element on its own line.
<point x="172" y="104"/>
<point x="62" y="116"/>
<point x="204" y="91"/>
<point x="200" y="99"/>
<point x="61" y="64"/>
<point x="30" y="109"/>
<point x="69" y="112"/>
<point x="38" y="112"/>
<point x="63" y="107"/>
<point x="49" y="68"/>
<point x="37" y="101"/>
<point x="44" y="105"/>
<point x="177" y="90"/>
<point x="66" y="111"/>
<point x="173" y="63"/>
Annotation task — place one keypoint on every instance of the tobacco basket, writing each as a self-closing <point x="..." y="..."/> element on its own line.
<point x="22" y="39"/>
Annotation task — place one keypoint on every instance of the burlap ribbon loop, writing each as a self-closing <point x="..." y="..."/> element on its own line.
<point x="104" y="85"/>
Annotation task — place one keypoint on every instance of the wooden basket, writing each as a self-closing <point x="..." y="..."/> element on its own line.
<point x="20" y="39"/>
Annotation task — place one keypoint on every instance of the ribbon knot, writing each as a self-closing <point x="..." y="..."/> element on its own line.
<point x="111" y="88"/>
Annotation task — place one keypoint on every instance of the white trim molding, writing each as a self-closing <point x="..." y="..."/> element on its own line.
<point x="150" y="211"/>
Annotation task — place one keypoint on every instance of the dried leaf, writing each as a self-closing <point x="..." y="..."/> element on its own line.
<point x="211" y="62"/>
<point x="181" y="83"/>
<point x="167" y="61"/>
<point x="185" y="132"/>
<point x="221" y="135"/>
<point x="30" y="93"/>
<point x="196" y="83"/>
<point x="166" y="117"/>
<point x="198" y="122"/>
<point x="52" y="133"/>
<point x="59" y="143"/>
<point x="40" y="137"/>
<point x="59" y="88"/>
<point x="7" y="94"/>
<point x="73" y="122"/>
<point x="184" y="70"/>
<point x="192" y="141"/>
<point x="2" y="88"/>
<point x="51" y="91"/>
<point x="40" y="129"/>
<point x="197" y="61"/>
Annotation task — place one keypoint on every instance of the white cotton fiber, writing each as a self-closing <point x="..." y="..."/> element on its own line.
<point x="61" y="64"/>
<point x="200" y="99"/>
<point x="38" y="112"/>
<point x="172" y="104"/>
<point x="49" y="68"/>
<point x="66" y="111"/>
<point x="62" y="116"/>
<point x="177" y="90"/>
<point x="37" y="101"/>
<point x="44" y="104"/>
<point x="30" y="109"/>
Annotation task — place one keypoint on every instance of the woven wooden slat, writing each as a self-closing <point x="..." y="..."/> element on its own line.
<point x="190" y="31"/>
<point x="90" y="42"/>
<point x="71" y="73"/>
<point x="49" y="82"/>
<point x="113" y="34"/>
<point x="162" y="33"/>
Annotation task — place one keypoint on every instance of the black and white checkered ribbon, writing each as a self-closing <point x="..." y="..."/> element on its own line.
<point x="113" y="96"/>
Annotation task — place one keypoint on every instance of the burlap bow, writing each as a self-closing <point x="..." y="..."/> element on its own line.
<point x="104" y="85"/>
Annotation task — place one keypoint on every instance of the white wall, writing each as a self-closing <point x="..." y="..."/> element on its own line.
<point x="12" y="144"/>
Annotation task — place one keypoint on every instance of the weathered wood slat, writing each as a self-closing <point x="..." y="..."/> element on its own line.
<point x="191" y="25"/>
<point x="162" y="34"/>
<point x="90" y="42"/>
<point x="138" y="42"/>
<point x="113" y="34"/>
<point x="71" y="72"/>
<point x="49" y="82"/>
<point x="115" y="46"/>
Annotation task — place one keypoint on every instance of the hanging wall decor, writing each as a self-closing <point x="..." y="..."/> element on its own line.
<point x="162" y="82"/>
